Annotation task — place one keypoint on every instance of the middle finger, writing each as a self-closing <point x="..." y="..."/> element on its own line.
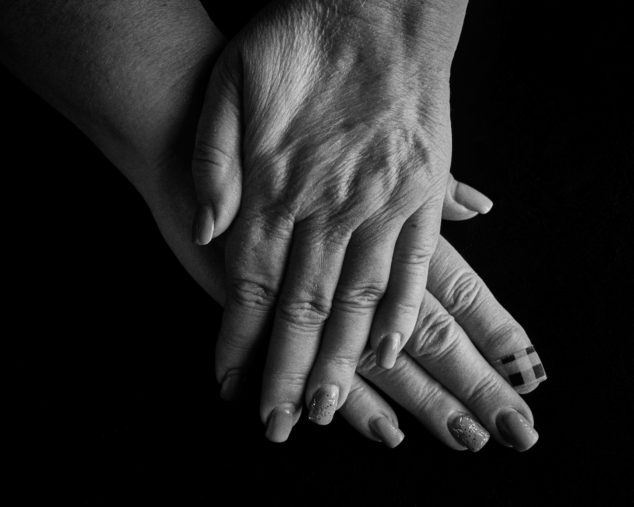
<point x="303" y="307"/>
<point x="361" y="286"/>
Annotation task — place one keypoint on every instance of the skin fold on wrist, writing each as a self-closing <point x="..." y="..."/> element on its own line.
<point x="431" y="27"/>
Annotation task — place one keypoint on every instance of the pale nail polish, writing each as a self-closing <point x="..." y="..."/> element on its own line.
<point x="516" y="430"/>
<point x="279" y="425"/>
<point x="231" y="386"/>
<point x="324" y="405"/>
<point x="383" y="429"/>
<point x="203" y="227"/>
<point x="473" y="199"/>
<point x="387" y="351"/>
<point x="468" y="432"/>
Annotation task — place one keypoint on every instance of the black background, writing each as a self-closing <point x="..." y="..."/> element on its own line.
<point x="110" y="390"/>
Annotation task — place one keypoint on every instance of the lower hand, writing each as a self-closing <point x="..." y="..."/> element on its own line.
<point x="444" y="376"/>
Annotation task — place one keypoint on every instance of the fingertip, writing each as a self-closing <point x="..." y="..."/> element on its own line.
<point x="529" y="388"/>
<point x="324" y="405"/>
<point x="472" y="199"/>
<point x="203" y="225"/>
<point x="279" y="425"/>
<point x="516" y="430"/>
<point x="455" y="212"/>
<point x="522" y="369"/>
<point x="487" y="206"/>
<point x="364" y="407"/>
<point x="468" y="432"/>
<point x="387" y="350"/>
<point x="232" y="385"/>
<point x="386" y="431"/>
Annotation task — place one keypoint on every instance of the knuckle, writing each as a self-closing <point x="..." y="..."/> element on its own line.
<point x="290" y="380"/>
<point x="435" y="337"/>
<point x="367" y="367"/>
<point x="304" y="312"/>
<point x="506" y="338"/>
<point x="230" y="344"/>
<point x="274" y="220"/>
<point x="357" y="392"/>
<point x="464" y="293"/>
<point x="252" y="294"/>
<point x="413" y="257"/>
<point x="359" y="299"/>
<point x="406" y="307"/>
<point x="207" y="157"/>
<point x="332" y="238"/>
<point x="367" y="362"/>
<point x="280" y="215"/>
<point x="428" y="398"/>
<point x="341" y="362"/>
<point x="487" y="388"/>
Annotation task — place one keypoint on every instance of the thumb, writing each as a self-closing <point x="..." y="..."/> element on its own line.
<point x="463" y="202"/>
<point x="216" y="163"/>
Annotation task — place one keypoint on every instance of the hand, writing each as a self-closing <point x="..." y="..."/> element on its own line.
<point x="327" y="123"/>
<point x="162" y="111"/>
<point x="443" y="377"/>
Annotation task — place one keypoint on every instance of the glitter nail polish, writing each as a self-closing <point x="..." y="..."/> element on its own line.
<point x="468" y="432"/>
<point x="324" y="404"/>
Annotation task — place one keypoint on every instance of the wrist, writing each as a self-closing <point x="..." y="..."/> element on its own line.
<point x="431" y="27"/>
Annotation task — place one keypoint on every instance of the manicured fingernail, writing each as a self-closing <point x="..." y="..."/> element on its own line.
<point x="522" y="369"/>
<point x="473" y="199"/>
<point x="468" y="432"/>
<point x="516" y="430"/>
<point x="231" y="385"/>
<point x="386" y="432"/>
<point x="324" y="404"/>
<point x="387" y="351"/>
<point x="203" y="228"/>
<point x="279" y="425"/>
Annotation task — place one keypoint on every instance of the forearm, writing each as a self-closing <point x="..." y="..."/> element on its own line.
<point x="112" y="67"/>
<point x="131" y="75"/>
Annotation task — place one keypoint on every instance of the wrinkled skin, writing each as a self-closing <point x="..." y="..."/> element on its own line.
<point x="342" y="109"/>
<point x="144" y="125"/>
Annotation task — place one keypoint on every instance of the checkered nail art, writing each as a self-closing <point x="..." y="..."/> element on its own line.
<point x="522" y="369"/>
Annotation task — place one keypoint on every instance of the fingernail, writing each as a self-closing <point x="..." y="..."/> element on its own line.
<point x="516" y="430"/>
<point x="231" y="385"/>
<point x="468" y="432"/>
<point x="324" y="404"/>
<point x="279" y="425"/>
<point x="387" y="351"/>
<point x="522" y="369"/>
<point x="486" y="205"/>
<point x="203" y="227"/>
<point x="383" y="429"/>
<point x="473" y="199"/>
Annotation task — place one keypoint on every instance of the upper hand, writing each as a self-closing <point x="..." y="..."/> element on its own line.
<point x="327" y="124"/>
